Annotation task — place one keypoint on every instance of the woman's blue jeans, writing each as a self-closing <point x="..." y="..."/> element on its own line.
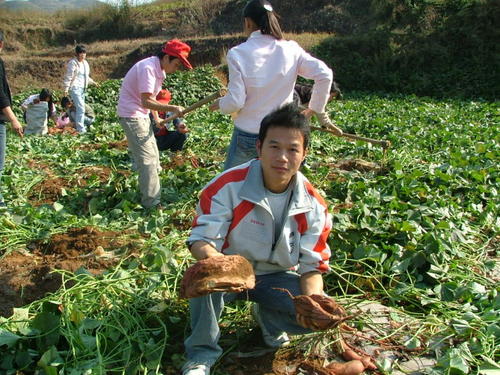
<point x="241" y="149"/>
<point x="275" y="308"/>
<point x="78" y="97"/>
<point x="3" y="146"/>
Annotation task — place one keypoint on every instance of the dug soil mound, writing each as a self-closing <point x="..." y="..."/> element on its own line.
<point x="181" y="159"/>
<point x="27" y="276"/>
<point x="102" y="173"/>
<point x="48" y="191"/>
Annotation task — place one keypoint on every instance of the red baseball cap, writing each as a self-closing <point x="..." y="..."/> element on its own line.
<point x="164" y="96"/>
<point x="178" y="49"/>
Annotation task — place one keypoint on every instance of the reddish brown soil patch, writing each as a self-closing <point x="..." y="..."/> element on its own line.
<point x="66" y="130"/>
<point x="26" y="277"/>
<point x="48" y="191"/>
<point x="78" y="241"/>
<point x="180" y="159"/>
<point x="40" y="166"/>
<point x="121" y="145"/>
<point x="357" y="164"/>
<point x="102" y="173"/>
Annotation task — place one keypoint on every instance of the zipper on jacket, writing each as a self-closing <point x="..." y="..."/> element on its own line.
<point x="283" y="222"/>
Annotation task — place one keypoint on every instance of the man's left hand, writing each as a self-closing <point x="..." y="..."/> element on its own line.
<point x="18" y="129"/>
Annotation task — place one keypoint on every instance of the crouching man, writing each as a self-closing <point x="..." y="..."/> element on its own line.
<point x="266" y="211"/>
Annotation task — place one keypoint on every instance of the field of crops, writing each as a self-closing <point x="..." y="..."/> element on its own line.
<point x="415" y="228"/>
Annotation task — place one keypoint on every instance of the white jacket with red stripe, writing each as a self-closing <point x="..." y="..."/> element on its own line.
<point x="234" y="217"/>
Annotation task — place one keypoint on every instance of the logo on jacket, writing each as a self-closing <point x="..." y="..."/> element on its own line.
<point x="253" y="221"/>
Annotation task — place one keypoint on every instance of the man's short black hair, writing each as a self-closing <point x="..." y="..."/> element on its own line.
<point x="287" y="116"/>
<point x="80" y="49"/>
<point x="160" y="54"/>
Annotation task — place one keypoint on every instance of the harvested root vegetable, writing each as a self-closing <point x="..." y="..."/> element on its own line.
<point x="317" y="312"/>
<point x="329" y="304"/>
<point x="354" y="367"/>
<point x="229" y="273"/>
<point x="350" y="355"/>
<point x="312" y="368"/>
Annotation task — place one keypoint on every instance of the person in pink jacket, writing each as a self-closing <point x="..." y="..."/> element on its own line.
<point x="262" y="75"/>
<point x="268" y="212"/>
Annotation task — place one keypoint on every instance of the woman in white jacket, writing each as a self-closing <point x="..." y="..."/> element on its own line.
<point x="76" y="80"/>
<point x="262" y="75"/>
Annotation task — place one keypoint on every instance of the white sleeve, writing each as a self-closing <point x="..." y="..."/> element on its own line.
<point x="315" y="69"/>
<point x="89" y="78"/>
<point x="235" y="98"/>
<point x="28" y="101"/>
<point x="70" y="74"/>
<point x="212" y="225"/>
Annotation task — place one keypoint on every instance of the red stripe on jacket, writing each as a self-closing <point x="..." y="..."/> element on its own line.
<point x="238" y="214"/>
<point x="301" y="222"/>
<point x="320" y="245"/>
<point x="212" y="189"/>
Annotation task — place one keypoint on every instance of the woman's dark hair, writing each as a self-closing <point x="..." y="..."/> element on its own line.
<point x="287" y="116"/>
<point x="47" y="94"/>
<point x="65" y="101"/>
<point x="261" y="12"/>
<point x="80" y="49"/>
<point x="1" y="36"/>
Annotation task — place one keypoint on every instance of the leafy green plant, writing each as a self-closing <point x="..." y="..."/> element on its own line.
<point x="420" y="233"/>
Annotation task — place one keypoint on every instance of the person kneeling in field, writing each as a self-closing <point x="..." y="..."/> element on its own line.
<point x="166" y="139"/>
<point x="70" y="114"/>
<point x="38" y="109"/>
<point x="266" y="211"/>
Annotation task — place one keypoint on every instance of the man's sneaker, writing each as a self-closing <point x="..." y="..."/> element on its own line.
<point x="197" y="370"/>
<point x="270" y="340"/>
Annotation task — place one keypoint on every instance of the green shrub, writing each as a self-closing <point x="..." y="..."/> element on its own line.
<point x="454" y="52"/>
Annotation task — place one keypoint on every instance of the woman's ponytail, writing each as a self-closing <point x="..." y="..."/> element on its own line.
<point x="262" y="13"/>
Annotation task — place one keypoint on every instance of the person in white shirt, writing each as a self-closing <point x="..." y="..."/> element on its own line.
<point x="262" y="75"/>
<point x="75" y="83"/>
<point x="44" y="95"/>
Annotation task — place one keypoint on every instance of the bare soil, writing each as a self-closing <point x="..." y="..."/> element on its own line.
<point x="103" y="173"/>
<point x="26" y="276"/>
<point x="180" y="159"/>
<point x="69" y="130"/>
<point x="50" y="190"/>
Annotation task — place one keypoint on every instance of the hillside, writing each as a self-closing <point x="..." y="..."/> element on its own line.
<point x="442" y="49"/>
<point x="48" y="5"/>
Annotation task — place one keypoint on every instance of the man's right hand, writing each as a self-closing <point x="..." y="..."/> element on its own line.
<point x="202" y="250"/>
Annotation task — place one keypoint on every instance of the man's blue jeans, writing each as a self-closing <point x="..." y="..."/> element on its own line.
<point x="275" y="307"/>
<point x="241" y="149"/>
<point x="3" y="146"/>
<point x="78" y="97"/>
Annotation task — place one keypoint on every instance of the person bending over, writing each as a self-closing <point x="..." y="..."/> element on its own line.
<point x="137" y="97"/>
